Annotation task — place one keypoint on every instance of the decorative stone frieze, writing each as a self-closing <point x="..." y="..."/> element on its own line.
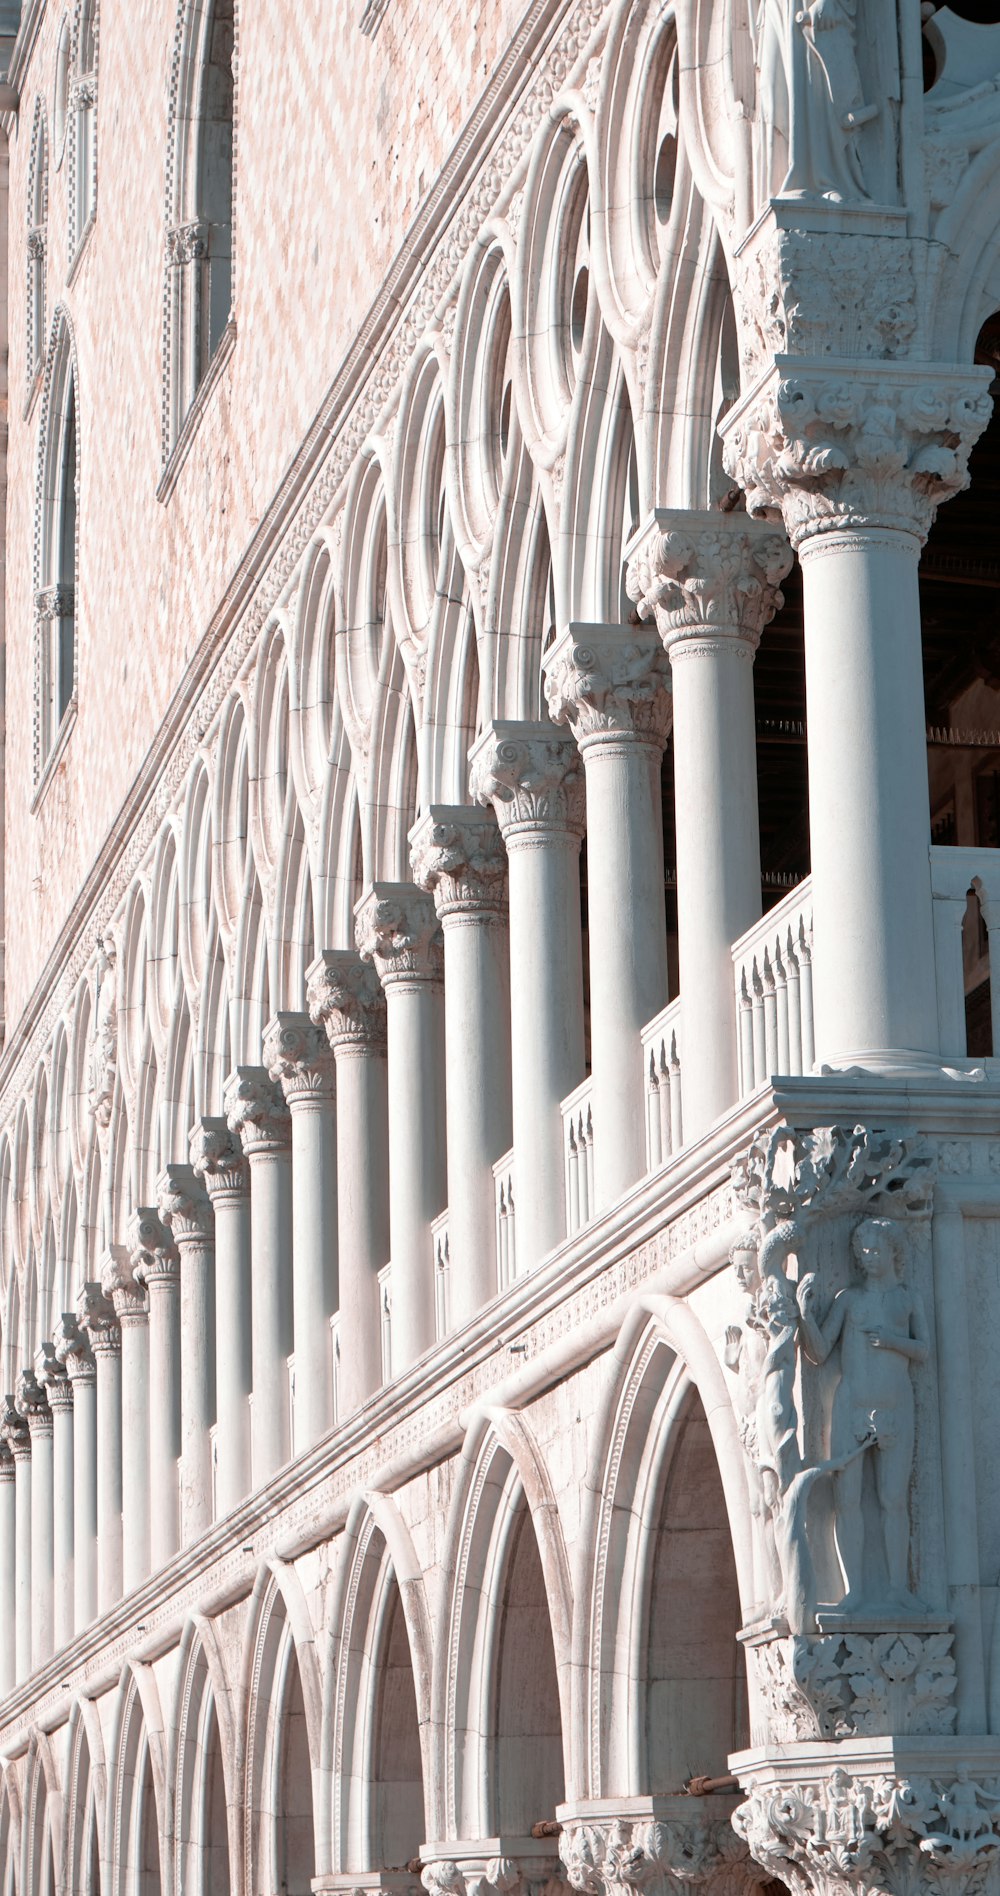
<point x="155" y="1257"/>
<point x="72" y="1349"/>
<point x="397" y="929"/>
<point x="682" y="1843"/>
<point x="256" y="1110"/>
<point x="32" y="1400"/>
<point x="103" y="1056"/>
<point x="608" y="683"/>
<point x="707" y="576"/>
<point x="823" y="1363"/>
<point x="840" y="444"/>
<point x="849" y="1684"/>
<point x="119" y="1283"/>
<point x="51" y="1373"/>
<point x="895" y="1820"/>
<point x="14" y="1429"/>
<point x="822" y="293"/>
<point x="457" y="854"/>
<point x="299" y="1059"/>
<point x="184" y="1206"/>
<point x="98" y="1318"/>
<point x="344" y="995"/>
<point x="533" y="776"/>
<point x="217" y="1158"/>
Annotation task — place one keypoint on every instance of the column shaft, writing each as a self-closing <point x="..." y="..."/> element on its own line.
<point x="128" y="1297"/>
<point x="258" y="1112"/>
<point x="458" y="854"/>
<point x="298" y="1057"/>
<point x="99" y="1587"/>
<point x="63" y="1515"/>
<point x="217" y="1158"/>
<point x="398" y="930"/>
<point x="42" y="1542"/>
<point x="8" y="1570"/>
<point x="85" y="1462"/>
<point x="869" y="813"/>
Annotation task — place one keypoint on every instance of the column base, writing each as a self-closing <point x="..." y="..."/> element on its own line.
<point x="897" y="1062"/>
<point x="671" y="1844"/>
<point x="876" y="1816"/>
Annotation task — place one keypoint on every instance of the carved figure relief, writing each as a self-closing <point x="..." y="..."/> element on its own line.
<point x="810" y="101"/>
<point x="872" y="1332"/>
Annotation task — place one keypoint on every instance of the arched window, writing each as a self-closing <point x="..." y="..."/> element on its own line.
<point x="83" y="135"/>
<point x="38" y="217"/>
<point x="199" y="290"/>
<point x="56" y="555"/>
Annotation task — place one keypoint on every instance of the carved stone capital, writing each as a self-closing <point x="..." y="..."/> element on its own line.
<point x="155" y="1257"/>
<point x="398" y="930"/>
<point x="118" y="1282"/>
<point x="457" y="853"/>
<point x="897" y="1820"/>
<point x="14" y="1429"/>
<point x="217" y="1159"/>
<point x="533" y="776"/>
<point x="51" y="1373"/>
<point x="298" y="1057"/>
<point x="187" y="243"/>
<point x="54" y="602"/>
<point x="609" y="683"/>
<point x="660" y="1845"/>
<point x="72" y="1349"/>
<point x="707" y="576"/>
<point x="32" y="1400"/>
<point x="852" y="1684"/>
<point x="493" y="1866"/>
<point x="83" y="92"/>
<point x="256" y="1111"/>
<point x="36" y="244"/>
<point x="837" y="445"/>
<point x="344" y="996"/>
<point x="184" y="1206"/>
<point x="822" y="292"/>
<point x="96" y="1314"/>
<point x="7" y="1469"/>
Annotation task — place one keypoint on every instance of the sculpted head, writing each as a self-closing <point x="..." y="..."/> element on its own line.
<point x="877" y="1248"/>
<point x="743" y="1257"/>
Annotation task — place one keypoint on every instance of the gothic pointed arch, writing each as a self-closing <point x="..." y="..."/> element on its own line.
<point x="138" y="1839"/>
<point x="86" y="1799"/>
<point x="82" y="107"/>
<point x="279" y="1738"/>
<point x="202" y="1766"/>
<point x="56" y="562"/>
<point x="42" y="1832"/>
<point x="198" y="299"/>
<point x="37" y="246"/>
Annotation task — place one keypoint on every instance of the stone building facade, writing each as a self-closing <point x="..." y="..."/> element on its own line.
<point x="499" y="1124"/>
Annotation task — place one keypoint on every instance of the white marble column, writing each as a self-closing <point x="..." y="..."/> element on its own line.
<point x="345" y="997"/>
<point x="184" y="1207"/>
<point x="611" y="685"/>
<point x="711" y="581"/>
<point x="298" y="1057"/>
<point x="533" y="776"/>
<point x="73" y="1351"/>
<point x="156" y="1265"/>
<point x="257" y="1112"/>
<point x="398" y="931"/>
<point x="8" y="1569"/>
<point x="33" y="1403"/>
<point x="14" y="1430"/>
<point x="52" y="1375"/>
<point x="217" y="1159"/>
<point x="858" y="492"/>
<point x="96" y="1316"/>
<point x="458" y="855"/>
<point x="129" y="1300"/>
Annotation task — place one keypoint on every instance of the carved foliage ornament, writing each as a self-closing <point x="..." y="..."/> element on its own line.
<point x="297" y="1055"/>
<point x="801" y="293"/>
<point x="217" y="1157"/>
<point x="848" y="445"/>
<point x="344" y="995"/>
<point x="848" y="1685"/>
<point x="716" y="573"/>
<point x="833" y="1169"/>
<point x="398" y="929"/>
<point x="459" y="856"/>
<point x="256" y="1110"/>
<point x="532" y="775"/>
<point x="608" y="684"/>
<point x="605" y="1859"/>
<point x="906" y="1836"/>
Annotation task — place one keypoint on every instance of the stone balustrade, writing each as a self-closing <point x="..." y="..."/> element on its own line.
<point x="772" y="965"/>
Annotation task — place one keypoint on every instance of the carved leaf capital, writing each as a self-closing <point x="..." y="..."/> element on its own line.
<point x="533" y="776"/>
<point x="609" y="681"/>
<point x="298" y="1057"/>
<point x="707" y="573"/>
<point x="457" y="854"/>
<point x="397" y="929"/>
